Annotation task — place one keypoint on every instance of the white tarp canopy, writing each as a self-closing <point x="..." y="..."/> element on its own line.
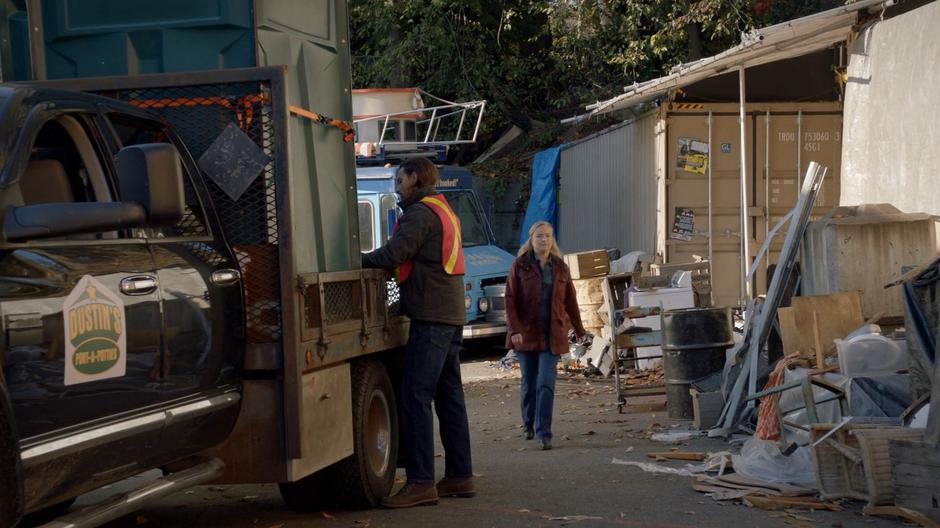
<point x="781" y="41"/>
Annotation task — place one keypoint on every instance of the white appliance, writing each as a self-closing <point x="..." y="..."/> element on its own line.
<point x="665" y="298"/>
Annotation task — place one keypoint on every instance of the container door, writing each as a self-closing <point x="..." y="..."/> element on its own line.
<point x="781" y="138"/>
<point x="687" y="205"/>
<point x="786" y="142"/>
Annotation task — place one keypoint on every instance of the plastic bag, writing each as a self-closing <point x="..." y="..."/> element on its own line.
<point x="762" y="460"/>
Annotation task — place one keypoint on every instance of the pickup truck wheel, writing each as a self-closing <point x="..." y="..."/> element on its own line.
<point x="363" y="479"/>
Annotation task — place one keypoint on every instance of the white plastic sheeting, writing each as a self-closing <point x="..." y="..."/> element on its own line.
<point x="891" y="139"/>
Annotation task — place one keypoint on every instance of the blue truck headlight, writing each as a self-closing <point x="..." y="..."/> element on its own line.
<point x="483" y="304"/>
<point x="466" y="302"/>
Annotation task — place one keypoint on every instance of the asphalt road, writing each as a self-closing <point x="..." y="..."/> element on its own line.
<point x="574" y="484"/>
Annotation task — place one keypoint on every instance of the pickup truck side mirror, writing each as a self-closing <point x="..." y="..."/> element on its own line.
<point x="151" y="174"/>
<point x="151" y="180"/>
<point x="29" y="222"/>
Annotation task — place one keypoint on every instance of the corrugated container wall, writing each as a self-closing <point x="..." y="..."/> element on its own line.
<point x="609" y="189"/>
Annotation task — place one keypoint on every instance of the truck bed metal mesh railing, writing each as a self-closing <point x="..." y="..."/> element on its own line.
<point x="393" y="297"/>
<point x="330" y="301"/>
<point x="199" y="114"/>
<point x="341" y="299"/>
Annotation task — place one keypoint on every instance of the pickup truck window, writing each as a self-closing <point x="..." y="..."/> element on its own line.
<point x="134" y="131"/>
<point x="366" y="221"/>
<point x="388" y="208"/>
<point x="63" y="165"/>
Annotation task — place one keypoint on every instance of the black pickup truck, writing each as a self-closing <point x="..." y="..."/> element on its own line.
<point x="120" y="304"/>
<point x="149" y="318"/>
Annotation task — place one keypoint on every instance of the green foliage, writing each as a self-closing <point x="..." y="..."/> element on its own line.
<point x="539" y="60"/>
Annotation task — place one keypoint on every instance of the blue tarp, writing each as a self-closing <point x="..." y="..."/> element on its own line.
<point x="542" y="200"/>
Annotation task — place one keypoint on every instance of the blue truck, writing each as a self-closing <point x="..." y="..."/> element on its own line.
<point x="486" y="264"/>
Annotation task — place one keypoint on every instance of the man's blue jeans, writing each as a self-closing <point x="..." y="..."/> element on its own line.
<point x="538" y="390"/>
<point x="432" y="372"/>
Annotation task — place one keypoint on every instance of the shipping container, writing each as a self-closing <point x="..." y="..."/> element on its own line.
<point x="703" y="145"/>
<point x="644" y="184"/>
<point x="609" y="184"/>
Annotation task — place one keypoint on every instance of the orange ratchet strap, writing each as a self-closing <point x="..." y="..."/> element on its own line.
<point x="348" y="132"/>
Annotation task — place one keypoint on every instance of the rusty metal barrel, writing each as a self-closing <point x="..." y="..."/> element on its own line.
<point x="694" y="345"/>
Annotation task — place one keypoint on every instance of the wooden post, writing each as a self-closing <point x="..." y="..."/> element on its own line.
<point x="820" y="353"/>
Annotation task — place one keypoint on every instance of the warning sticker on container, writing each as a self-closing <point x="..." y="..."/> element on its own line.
<point x="693" y="155"/>
<point x="683" y="226"/>
<point x="95" y="333"/>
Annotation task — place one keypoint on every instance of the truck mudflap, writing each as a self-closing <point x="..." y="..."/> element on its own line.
<point x="474" y="330"/>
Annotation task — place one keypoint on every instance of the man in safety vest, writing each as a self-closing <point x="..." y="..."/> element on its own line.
<point x="426" y="250"/>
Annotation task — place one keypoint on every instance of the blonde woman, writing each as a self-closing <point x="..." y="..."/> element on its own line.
<point x="540" y="307"/>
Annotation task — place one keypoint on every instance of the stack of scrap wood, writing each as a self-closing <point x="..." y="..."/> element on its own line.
<point x="587" y="264"/>
<point x="588" y="269"/>
<point x="589" y="293"/>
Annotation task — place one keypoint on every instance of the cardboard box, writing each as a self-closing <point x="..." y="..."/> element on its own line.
<point x="588" y="264"/>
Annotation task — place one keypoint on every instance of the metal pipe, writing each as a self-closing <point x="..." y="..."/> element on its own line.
<point x="384" y="128"/>
<point x="745" y="251"/>
<point x="479" y="120"/>
<point x="799" y="143"/>
<point x="463" y="115"/>
<point x="711" y="154"/>
<point x="767" y="186"/>
<point x="427" y="135"/>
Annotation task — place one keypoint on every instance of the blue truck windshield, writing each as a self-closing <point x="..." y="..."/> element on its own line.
<point x="471" y="220"/>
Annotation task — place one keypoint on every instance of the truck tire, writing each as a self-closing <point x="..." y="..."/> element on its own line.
<point x="363" y="479"/>
<point x="11" y="506"/>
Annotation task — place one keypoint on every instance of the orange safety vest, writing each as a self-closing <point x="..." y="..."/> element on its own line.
<point x="451" y="241"/>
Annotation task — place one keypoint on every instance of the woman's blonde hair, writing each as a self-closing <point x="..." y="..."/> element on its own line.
<point x="554" y="251"/>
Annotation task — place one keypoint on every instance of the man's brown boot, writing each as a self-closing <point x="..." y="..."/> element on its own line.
<point x="456" y="487"/>
<point x="412" y="495"/>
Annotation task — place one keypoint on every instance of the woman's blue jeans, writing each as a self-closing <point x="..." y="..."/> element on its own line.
<point x="538" y="390"/>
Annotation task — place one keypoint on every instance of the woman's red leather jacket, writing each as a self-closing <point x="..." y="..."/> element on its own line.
<point x="523" y="295"/>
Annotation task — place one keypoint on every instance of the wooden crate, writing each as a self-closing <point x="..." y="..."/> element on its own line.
<point x="588" y="264"/>
<point x="866" y="474"/>
<point x="589" y="291"/>
<point x="860" y="248"/>
<point x="915" y="468"/>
